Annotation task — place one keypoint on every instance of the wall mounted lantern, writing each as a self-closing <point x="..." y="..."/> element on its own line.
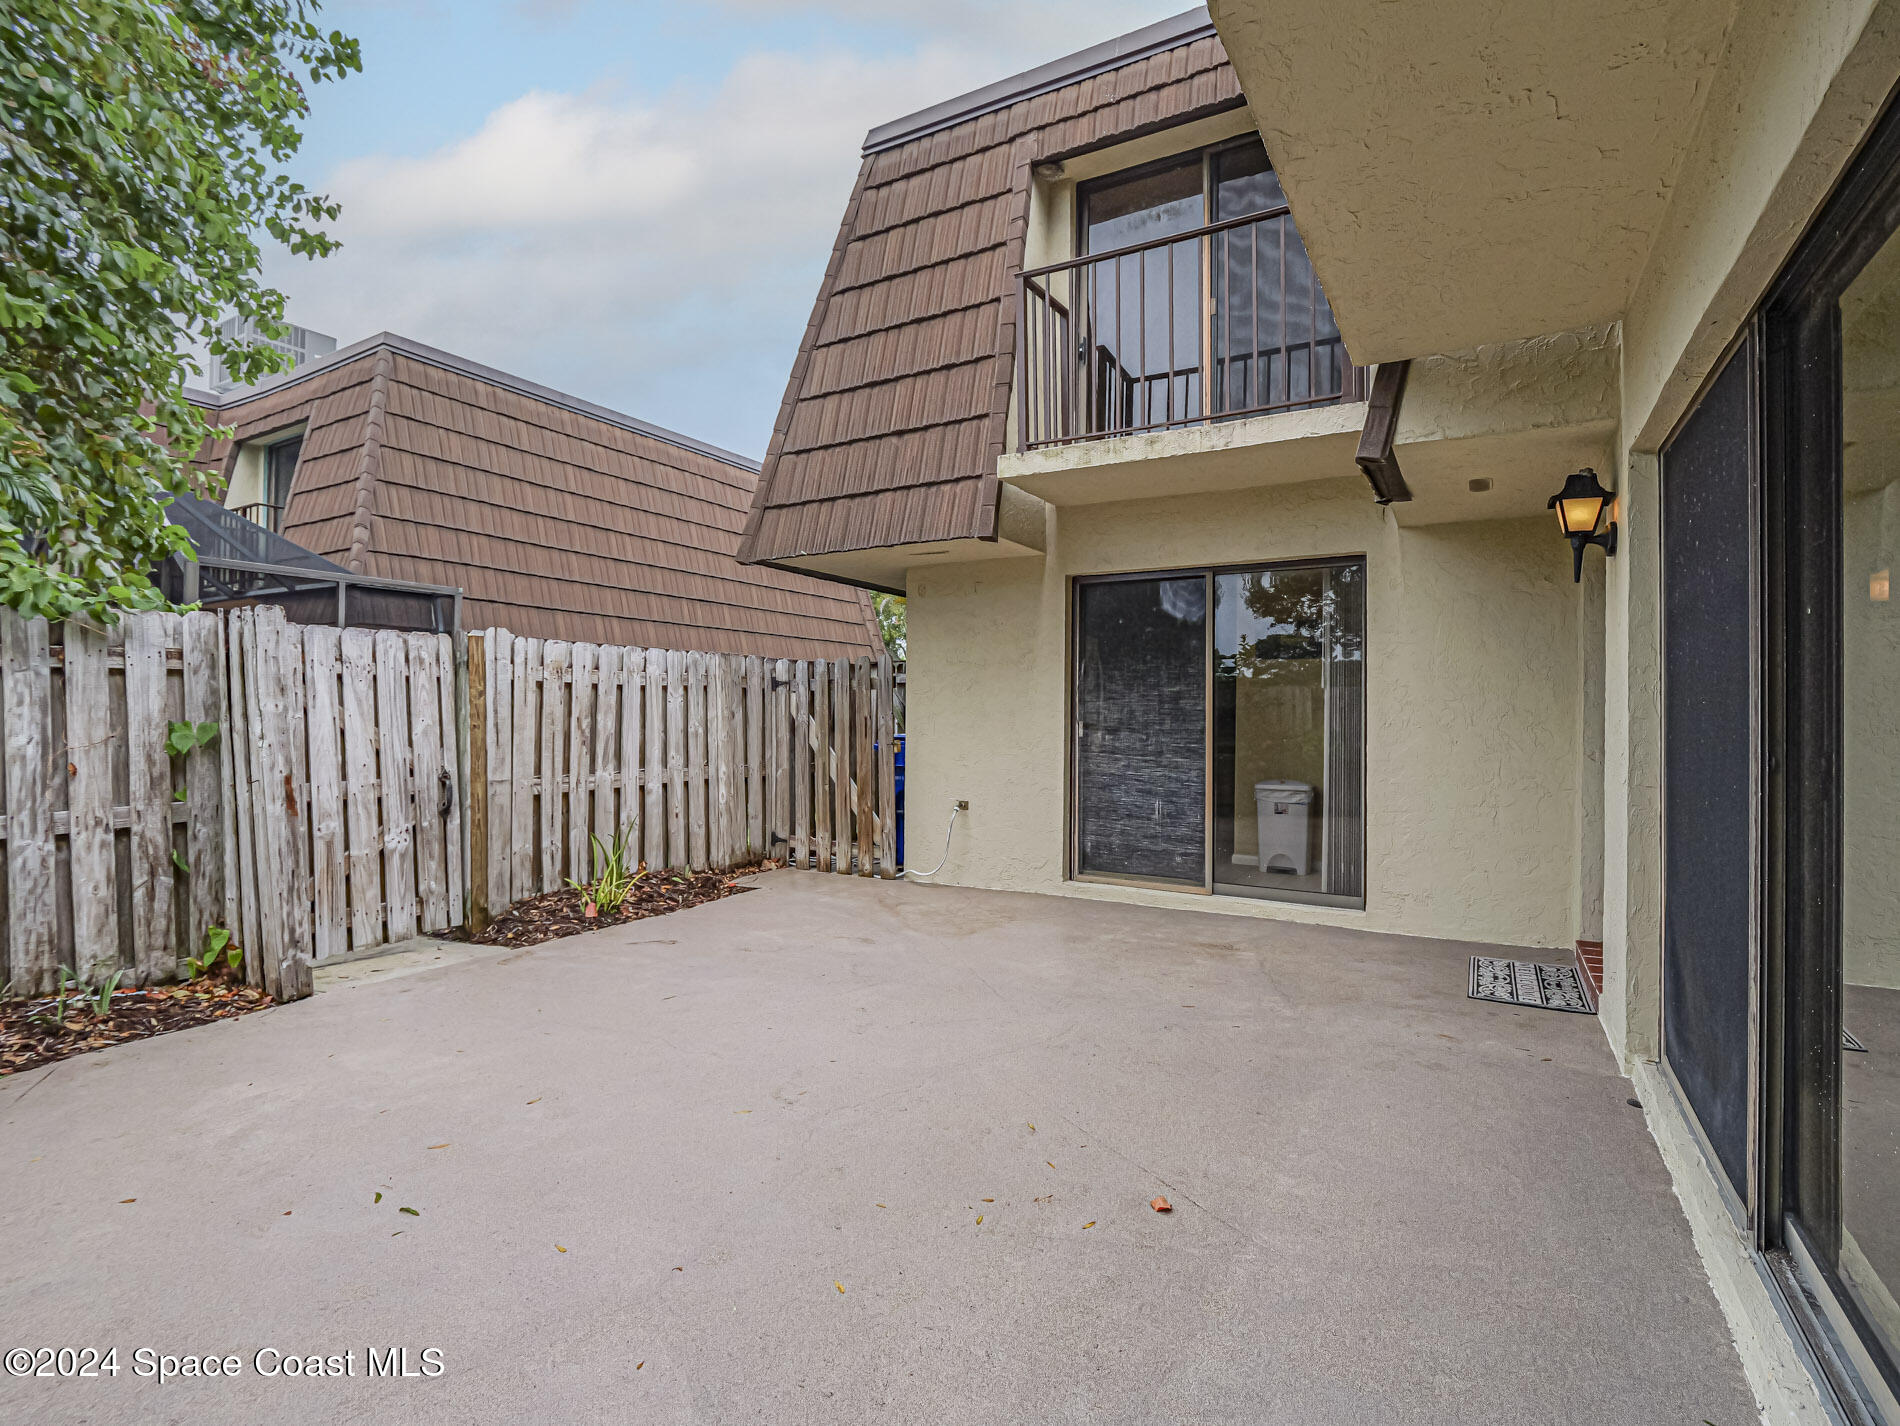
<point x="1580" y="506"/>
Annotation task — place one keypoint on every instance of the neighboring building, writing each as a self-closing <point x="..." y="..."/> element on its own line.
<point x="556" y="518"/>
<point x="1206" y="393"/>
<point x="300" y="344"/>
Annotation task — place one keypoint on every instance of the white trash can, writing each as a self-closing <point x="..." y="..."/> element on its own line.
<point x="1285" y="810"/>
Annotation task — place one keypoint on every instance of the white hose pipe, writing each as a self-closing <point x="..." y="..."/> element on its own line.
<point x="946" y="847"/>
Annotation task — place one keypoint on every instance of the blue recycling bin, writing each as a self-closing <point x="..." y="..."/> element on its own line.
<point x="900" y="798"/>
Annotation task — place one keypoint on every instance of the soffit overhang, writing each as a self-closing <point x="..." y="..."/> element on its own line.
<point x="1464" y="172"/>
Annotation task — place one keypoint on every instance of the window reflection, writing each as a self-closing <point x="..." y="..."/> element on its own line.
<point x="1870" y="789"/>
<point x="1289" y="717"/>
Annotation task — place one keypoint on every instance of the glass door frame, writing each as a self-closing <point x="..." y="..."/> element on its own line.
<point x="1799" y="1188"/>
<point x="1072" y="812"/>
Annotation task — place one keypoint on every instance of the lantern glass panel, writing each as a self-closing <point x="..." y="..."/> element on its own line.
<point x="1579" y="516"/>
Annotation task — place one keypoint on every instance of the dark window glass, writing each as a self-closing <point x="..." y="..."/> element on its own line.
<point x="1275" y="340"/>
<point x="282" y="459"/>
<point x="1244" y="182"/>
<point x="1154" y="203"/>
<point x="1141" y="728"/>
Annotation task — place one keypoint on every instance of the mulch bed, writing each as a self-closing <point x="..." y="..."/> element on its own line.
<point x="28" y="1041"/>
<point x="563" y="913"/>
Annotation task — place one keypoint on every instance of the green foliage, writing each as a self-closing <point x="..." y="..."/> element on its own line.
<point x="141" y="148"/>
<point x="101" y="999"/>
<point x="217" y="942"/>
<point x="890" y="622"/>
<point x="181" y="738"/>
<point x="613" y="881"/>
<point x="68" y="985"/>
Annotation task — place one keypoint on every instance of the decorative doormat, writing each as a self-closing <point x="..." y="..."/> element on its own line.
<point x="1849" y="1042"/>
<point x="1529" y="983"/>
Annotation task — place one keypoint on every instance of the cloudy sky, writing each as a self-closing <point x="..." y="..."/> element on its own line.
<point x="629" y="201"/>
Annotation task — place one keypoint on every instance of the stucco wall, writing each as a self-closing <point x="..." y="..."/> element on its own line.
<point x="1796" y="88"/>
<point x="1471" y="721"/>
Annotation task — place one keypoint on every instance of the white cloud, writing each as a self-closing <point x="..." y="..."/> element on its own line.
<point x="657" y="253"/>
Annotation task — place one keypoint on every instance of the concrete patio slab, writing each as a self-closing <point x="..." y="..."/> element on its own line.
<point x="1392" y="1204"/>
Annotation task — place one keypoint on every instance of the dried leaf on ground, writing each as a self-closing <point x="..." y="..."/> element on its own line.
<point x="1160" y="1205"/>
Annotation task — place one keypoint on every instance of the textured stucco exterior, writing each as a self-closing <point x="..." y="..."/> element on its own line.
<point x="1796" y="88"/>
<point x="1471" y="705"/>
<point x="1467" y="174"/>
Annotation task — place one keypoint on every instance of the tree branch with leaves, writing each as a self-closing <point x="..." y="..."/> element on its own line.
<point x="142" y="145"/>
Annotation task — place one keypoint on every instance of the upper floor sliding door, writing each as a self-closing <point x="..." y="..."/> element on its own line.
<point x="1191" y="297"/>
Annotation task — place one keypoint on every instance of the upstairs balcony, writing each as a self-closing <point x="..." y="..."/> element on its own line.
<point x="1220" y="323"/>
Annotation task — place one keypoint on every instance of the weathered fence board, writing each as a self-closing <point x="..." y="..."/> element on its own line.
<point x="801" y="764"/>
<point x="89" y="798"/>
<point x="26" y="668"/>
<point x="362" y="789"/>
<point x="329" y="856"/>
<point x="207" y="843"/>
<point x="580" y="755"/>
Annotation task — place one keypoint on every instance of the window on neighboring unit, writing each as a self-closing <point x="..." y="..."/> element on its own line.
<point x="261" y="479"/>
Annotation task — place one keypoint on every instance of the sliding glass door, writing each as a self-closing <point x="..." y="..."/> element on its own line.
<point x="1289" y="714"/>
<point x="1867" y="1247"/>
<point x="1223" y="754"/>
<point x="1831" y="444"/>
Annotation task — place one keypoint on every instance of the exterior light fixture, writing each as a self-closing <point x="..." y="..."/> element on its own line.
<point x="1579" y="506"/>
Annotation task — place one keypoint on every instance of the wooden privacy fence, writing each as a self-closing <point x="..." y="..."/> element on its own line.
<point x="322" y="818"/>
<point x="343" y="802"/>
<point x="114" y="849"/>
<point x="345" y="830"/>
<point x="700" y="760"/>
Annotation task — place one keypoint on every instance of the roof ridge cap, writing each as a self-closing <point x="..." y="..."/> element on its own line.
<point x="369" y="469"/>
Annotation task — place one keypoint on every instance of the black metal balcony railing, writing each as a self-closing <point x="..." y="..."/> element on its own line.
<point x="1226" y="321"/>
<point x="263" y="513"/>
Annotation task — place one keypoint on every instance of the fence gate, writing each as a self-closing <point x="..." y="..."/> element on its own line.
<point x="346" y="827"/>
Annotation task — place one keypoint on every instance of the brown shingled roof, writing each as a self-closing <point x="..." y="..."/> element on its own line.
<point x="556" y="518"/>
<point x="895" y="412"/>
